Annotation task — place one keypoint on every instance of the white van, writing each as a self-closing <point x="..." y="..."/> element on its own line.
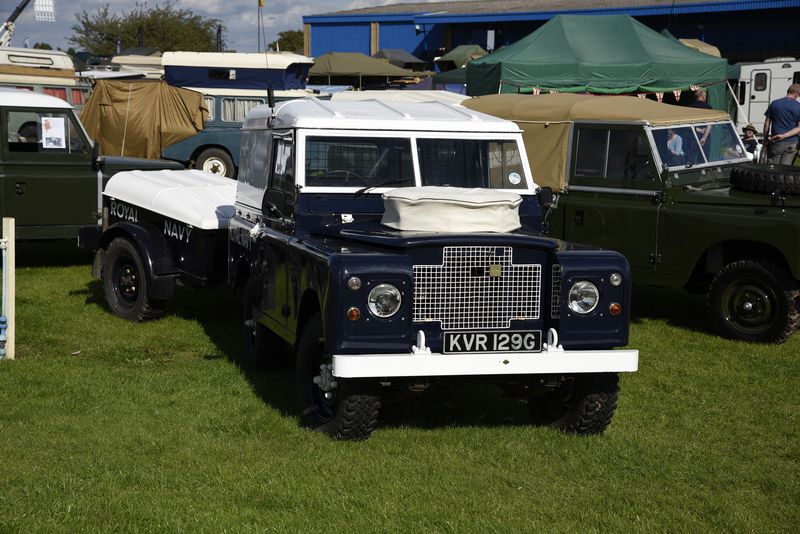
<point x="761" y="83"/>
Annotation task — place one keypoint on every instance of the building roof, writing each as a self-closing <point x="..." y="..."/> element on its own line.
<point x="477" y="7"/>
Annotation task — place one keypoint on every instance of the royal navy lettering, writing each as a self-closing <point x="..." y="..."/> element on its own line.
<point x="176" y="230"/>
<point x="126" y="213"/>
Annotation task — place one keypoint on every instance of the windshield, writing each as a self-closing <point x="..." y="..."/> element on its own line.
<point x="698" y="144"/>
<point x="387" y="162"/>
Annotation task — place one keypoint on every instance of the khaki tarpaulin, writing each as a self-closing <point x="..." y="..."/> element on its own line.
<point x="138" y="118"/>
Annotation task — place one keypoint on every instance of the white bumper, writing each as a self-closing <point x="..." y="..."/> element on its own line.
<point x="468" y="364"/>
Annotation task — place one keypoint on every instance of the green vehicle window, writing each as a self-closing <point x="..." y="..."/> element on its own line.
<point x="628" y="156"/>
<point x="592" y="146"/>
<point x="44" y="133"/>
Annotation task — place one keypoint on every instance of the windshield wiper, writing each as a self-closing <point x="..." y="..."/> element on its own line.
<point x="367" y="189"/>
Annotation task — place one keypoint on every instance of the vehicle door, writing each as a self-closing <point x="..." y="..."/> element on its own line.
<point x="49" y="179"/>
<point x="760" y="89"/>
<point x="614" y="191"/>
<point x="278" y="209"/>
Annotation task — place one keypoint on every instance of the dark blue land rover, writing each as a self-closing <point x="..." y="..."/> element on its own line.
<point x="384" y="245"/>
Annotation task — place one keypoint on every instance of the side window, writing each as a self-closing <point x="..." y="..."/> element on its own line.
<point x="235" y="109"/>
<point x="208" y="102"/>
<point x="254" y="169"/>
<point x="629" y="156"/>
<point x="591" y="148"/>
<point x="44" y="133"/>
<point x="760" y="81"/>
<point x="281" y="184"/>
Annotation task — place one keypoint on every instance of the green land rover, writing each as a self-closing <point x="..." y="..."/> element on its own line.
<point x="671" y="189"/>
<point x="49" y="181"/>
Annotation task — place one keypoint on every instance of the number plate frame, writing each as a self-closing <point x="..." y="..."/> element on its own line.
<point x="492" y="342"/>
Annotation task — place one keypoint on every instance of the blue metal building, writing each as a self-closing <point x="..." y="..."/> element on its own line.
<point x="743" y="30"/>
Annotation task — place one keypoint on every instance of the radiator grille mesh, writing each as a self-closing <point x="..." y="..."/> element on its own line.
<point x="476" y="288"/>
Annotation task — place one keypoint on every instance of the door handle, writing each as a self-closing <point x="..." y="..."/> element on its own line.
<point x="578" y="218"/>
<point x="19" y="188"/>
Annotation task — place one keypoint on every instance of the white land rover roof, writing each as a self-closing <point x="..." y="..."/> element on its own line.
<point x="376" y="115"/>
<point x="29" y="99"/>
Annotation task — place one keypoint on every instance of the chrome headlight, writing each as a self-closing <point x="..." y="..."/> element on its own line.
<point x="384" y="300"/>
<point x="583" y="297"/>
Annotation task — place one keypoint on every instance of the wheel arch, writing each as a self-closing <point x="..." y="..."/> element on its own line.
<point x="152" y="248"/>
<point x="717" y="256"/>
<point x="308" y="307"/>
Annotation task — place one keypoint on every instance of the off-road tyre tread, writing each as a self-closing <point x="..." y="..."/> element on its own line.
<point x="358" y="408"/>
<point x="791" y="294"/>
<point x="766" y="178"/>
<point x="595" y="401"/>
<point x="148" y="309"/>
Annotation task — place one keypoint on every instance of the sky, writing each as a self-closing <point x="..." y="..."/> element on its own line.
<point x="240" y="17"/>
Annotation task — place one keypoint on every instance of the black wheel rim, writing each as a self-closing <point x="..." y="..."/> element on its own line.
<point x="749" y="306"/>
<point x="126" y="279"/>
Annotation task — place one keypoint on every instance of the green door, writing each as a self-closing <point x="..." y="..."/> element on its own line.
<point x="613" y="200"/>
<point x="49" y="185"/>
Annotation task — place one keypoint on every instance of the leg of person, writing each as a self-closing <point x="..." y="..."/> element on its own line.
<point x="777" y="151"/>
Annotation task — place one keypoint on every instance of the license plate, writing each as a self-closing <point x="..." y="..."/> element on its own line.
<point x="506" y="341"/>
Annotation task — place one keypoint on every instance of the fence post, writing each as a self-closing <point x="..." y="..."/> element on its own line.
<point x="9" y="285"/>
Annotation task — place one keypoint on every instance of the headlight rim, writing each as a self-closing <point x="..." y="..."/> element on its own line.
<point x="371" y="300"/>
<point x="570" y="300"/>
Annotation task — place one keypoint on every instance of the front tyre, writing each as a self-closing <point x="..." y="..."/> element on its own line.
<point x="583" y="404"/>
<point x="754" y="300"/>
<point x="125" y="283"/>
<point x="341" y="408"/>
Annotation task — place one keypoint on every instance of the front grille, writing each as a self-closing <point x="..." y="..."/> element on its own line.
<point x="555" y="292"/>
<point x="476" y="288"/>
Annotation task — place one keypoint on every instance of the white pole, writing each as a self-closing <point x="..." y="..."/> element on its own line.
<point x="9" y="284"/>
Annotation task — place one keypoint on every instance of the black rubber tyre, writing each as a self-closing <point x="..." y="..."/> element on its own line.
<point x="263" y="349"/>
<point x="754" y="301"/>
<point x="350" y="409"/>
<point x="582" y="405"/>
<point x="766" y="178"/>
<point x="216" y="161"/>
<point x="125" y="283"/>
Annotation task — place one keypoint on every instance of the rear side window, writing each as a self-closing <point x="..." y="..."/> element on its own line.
<point x="613" y="154"/>
<point x="44" y="132"/>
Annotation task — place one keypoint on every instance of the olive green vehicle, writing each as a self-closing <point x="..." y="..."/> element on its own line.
<point x="673" y="190"/>
<point x="49" y="180"/>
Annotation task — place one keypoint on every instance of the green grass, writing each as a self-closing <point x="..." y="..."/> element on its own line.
<point x="109" y="425"/>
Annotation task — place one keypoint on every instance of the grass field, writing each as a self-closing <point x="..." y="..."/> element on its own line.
<point x="108" y="425"/>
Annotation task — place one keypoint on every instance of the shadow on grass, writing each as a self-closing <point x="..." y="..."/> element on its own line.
<point x="677" y="307"/>
<point x="51" y="253"/>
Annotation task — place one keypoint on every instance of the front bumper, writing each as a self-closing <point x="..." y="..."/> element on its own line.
<point x="470" y="364"/>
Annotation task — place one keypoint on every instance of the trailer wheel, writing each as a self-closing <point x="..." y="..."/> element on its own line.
<point x="582" y="405"/>
<point x="125" y="283"/>
<point x="766" y="178"/>
<point x="343" y="409"/>
<point x="216" y="161"/>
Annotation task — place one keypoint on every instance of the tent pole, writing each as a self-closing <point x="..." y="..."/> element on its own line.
<point x="739" y="108"/>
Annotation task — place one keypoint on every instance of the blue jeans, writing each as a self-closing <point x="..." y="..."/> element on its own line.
<point x="782" y="152"/>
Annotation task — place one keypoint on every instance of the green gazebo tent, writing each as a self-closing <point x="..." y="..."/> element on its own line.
<point x="612" y="54"/>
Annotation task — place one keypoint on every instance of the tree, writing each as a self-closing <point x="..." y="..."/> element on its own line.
<point x="163" y="26"/>
<point x="288" y="41"/>
<point x="43" y="46"/>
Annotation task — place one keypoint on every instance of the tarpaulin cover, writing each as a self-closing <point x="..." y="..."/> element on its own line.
<point x="459" y="56"/>
<point x="612" y="54"/>
<point x="138" y="118"/>
<point x="545" y="121"/>
<point x="400" y="58"/>
<point x="354" y="64"/>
